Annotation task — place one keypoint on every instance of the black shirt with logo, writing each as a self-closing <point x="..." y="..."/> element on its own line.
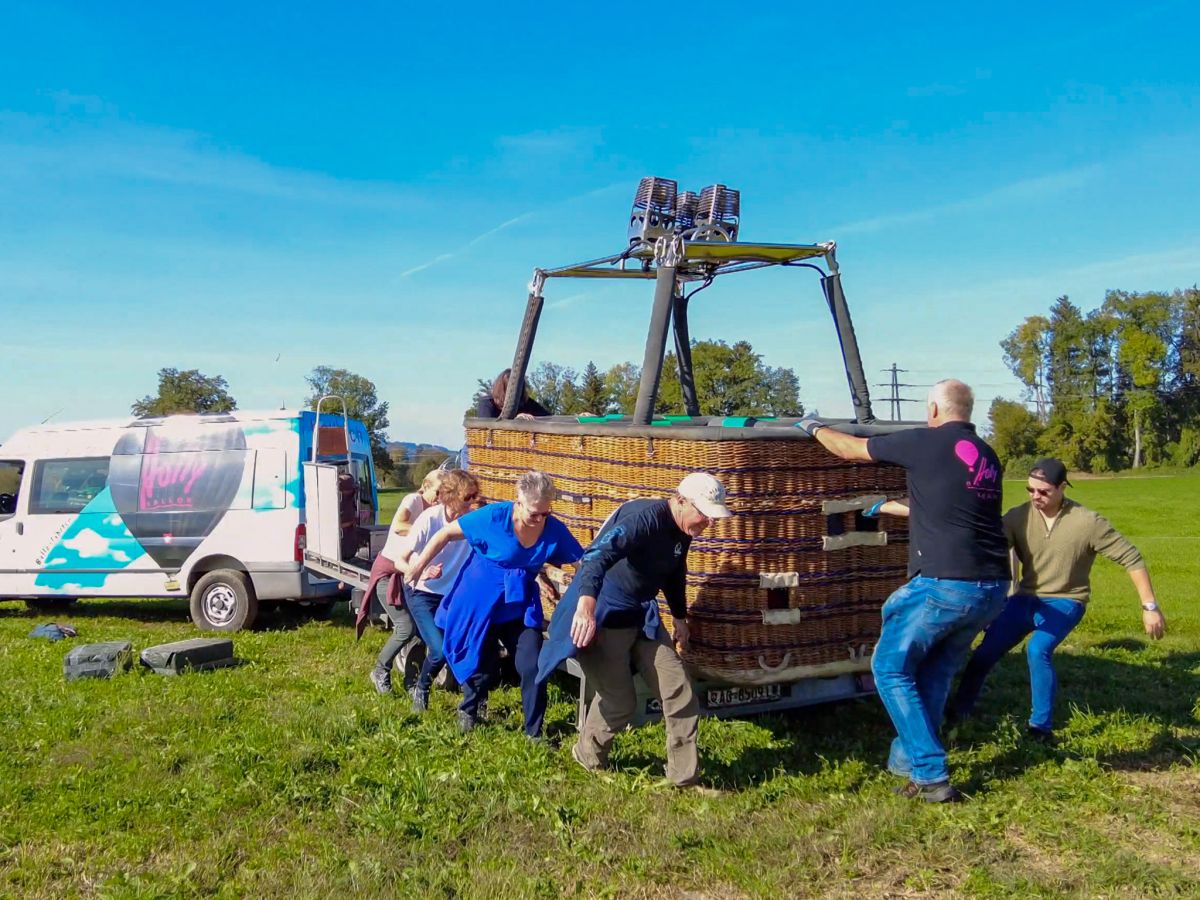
<point x="639" y="552"/>
<point x="954" y="486"/>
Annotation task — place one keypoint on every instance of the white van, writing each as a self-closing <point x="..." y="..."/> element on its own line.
<point x="209" y="507"/>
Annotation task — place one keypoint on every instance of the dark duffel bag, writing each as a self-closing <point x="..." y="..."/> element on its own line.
<point x="101" y="660"/>
<point x="197" y="655"/>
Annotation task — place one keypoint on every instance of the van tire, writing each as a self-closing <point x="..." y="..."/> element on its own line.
<point x="53" y="603"/>
<point x="223" y="600"/>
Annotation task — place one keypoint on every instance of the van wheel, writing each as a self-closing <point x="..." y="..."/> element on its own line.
<point x="53" y="603"/>
<point x="223" y="600"/>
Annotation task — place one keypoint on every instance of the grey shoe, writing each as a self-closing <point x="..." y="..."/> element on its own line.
<point x="466" y="721"/>
<point x="420" y="700"/>
<point x="941" y="792"/>
<point x="382" y="680"/>
<point x="575" y="756"/>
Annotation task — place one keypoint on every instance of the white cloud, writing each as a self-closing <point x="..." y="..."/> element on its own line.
<point x="90" y="544"/>
<point x="1028" y="190"/>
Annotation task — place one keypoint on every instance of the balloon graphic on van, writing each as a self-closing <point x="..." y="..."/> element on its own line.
<point x="173" y="481"/>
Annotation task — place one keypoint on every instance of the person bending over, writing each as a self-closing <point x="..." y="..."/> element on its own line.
<point x="496" y="599"/>
<point x="1055" y="540"/>
<point x="608" y="619"/>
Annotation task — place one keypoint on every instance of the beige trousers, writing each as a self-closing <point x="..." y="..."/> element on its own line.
<point x="605" y="662"/>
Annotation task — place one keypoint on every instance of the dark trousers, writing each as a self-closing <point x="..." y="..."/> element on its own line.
<point x="523" y="645"/>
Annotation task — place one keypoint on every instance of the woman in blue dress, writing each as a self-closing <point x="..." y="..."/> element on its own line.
<point x="495" y="599"/>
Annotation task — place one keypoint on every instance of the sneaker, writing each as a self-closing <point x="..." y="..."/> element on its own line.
<point x="420" y="700"/>
<point x="466" y="721"/>
<point x="692" y="787"/>
<point x="1039" y="735"/>
<point x="939" y="792"/>
<point x="382" y="681"/>
<point x="575" y="756"/>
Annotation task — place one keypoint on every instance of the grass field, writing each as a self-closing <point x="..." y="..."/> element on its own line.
<point x="288" y="776"/>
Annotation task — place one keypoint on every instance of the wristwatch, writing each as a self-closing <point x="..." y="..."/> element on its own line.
<point x="1150" y="607"/>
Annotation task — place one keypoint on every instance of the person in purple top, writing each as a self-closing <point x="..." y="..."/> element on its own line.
<point x="958" y="568"/>
<point x="496" y="599"/>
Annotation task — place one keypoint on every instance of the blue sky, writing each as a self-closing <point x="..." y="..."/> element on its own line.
<point x="257" y="189"/>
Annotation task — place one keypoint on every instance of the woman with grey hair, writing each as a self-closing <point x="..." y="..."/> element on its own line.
<point x="496" y="599"/>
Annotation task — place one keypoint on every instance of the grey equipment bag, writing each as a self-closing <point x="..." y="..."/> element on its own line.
<point x="197" y="654"/>
<point x="101" y="660"/>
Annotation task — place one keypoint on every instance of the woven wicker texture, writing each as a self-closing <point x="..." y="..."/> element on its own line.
<point x="776" y="489"/>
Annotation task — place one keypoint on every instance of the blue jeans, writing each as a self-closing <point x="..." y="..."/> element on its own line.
<point x="523" y="645"/>
<point x="423" y="605"/>
<point x="928" y="627"/>
<point x="1050" y="619"/>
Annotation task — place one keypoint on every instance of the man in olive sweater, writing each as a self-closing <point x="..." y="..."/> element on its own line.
<point x="1056" y="541"/>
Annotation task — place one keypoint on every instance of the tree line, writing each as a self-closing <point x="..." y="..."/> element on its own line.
<point x="731" y="380"/>
<point x="1112" y="388"/>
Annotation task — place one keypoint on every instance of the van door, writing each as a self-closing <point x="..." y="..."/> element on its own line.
<point x="12" y="528"/>
<point x="74" y="539"/>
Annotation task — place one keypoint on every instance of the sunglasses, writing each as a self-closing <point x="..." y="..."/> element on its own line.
<point x="534" y="514"/>
<point x="1039" y="492"/>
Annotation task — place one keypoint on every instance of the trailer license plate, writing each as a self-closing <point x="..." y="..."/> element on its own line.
<point x="744" y="696"/>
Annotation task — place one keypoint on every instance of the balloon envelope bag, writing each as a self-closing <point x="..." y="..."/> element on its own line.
<point x="197" y="655"/>
<point x="101" y="660"/>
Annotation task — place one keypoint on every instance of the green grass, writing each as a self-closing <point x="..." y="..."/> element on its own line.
<point x="288" y="776"/>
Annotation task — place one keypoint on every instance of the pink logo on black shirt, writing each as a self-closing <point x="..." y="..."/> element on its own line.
<point x="985" y="478"/>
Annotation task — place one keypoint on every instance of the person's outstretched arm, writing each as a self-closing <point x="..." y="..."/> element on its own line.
<point x="846" y="446"/>
<point x="448" y="533"/>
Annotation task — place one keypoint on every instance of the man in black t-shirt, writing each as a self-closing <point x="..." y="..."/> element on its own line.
<point x="958" y="568"/>
<point x="609" y="621"/>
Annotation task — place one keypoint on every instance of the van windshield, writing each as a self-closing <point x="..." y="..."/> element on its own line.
<point x="10" y="485"/>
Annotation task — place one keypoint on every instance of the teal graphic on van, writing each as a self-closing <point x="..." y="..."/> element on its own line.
<point x="96" y="539"/>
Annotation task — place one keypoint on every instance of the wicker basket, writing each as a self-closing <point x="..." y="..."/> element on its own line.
<point x="823" y="620"/>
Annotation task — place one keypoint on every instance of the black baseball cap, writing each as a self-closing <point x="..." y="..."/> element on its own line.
<point x="1050" y="470"/>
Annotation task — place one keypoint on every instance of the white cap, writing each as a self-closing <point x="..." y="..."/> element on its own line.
<point x="706" y="493"/>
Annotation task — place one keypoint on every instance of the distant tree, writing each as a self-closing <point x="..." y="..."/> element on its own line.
<point x="1015" y="430"/>
<point x="426" y="462"/>
<point x="781" y="395"/>
<point x="188" y="391"/>
<point x="1142" y="327"/>
<point x="1025" y="352"/>
<point x="621" y="384"/>
<point x="730" y="381"/>
<point x="362" y="403"/>
<point x="593" y="391"/>
<point x="554" y="387"/>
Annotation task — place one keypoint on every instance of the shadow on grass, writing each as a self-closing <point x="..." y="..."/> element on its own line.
<point x="810" y="740"/>
<point x="273" y="616"/>
<point x="1163" y="690"/>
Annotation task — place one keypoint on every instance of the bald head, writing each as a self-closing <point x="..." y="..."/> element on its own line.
<point x="950" y="400"/>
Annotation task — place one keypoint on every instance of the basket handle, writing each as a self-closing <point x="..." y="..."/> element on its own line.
<point x="762" y="662"/>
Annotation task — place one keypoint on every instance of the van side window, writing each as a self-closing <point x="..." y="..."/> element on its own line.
<point x="10" y="485"/>
<point x="67" y="485"/>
